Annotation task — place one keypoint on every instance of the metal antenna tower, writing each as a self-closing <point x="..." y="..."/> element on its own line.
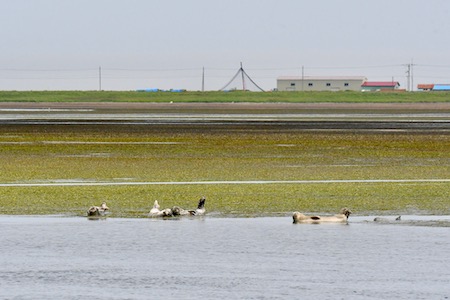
<point x="244" y="76"/>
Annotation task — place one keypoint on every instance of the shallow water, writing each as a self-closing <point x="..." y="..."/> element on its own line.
<point x="223" y="258"/>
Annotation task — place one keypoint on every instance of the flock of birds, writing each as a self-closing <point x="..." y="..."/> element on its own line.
<point x="177" y="211"/>
<point x="102" y="210"/>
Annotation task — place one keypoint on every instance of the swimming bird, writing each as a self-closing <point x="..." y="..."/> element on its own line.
<point x="200" y="210"/>
<point x="155" y="208"/>
<point x="156" y="212"/>
<point x="342" y="217"/>
<point x="178" y="211"/>
<point x="97" y="211"/>
<point x="381" y="219"/>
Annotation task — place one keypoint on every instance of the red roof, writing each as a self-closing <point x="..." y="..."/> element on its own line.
<point x="425" y="86"/>
<point x="380" y="84"/>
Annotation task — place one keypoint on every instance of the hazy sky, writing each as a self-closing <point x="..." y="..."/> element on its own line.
<point x="60" y="44"/>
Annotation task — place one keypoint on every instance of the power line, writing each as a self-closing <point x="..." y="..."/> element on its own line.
<point x="45" y="70"/>
<point x="154" y="70"/>
<point x="433" y="66"/>
<point x="354" y="67"/>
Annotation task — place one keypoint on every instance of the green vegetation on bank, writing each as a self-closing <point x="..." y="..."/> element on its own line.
<point x="94" y="153"/>
<point x="235" y="96"/>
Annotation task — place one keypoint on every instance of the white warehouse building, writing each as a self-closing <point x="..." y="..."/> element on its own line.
<point x="313" y="83"/>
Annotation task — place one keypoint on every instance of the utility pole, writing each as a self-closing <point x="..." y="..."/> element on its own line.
<point x="303" y="78"/>
<point x="100" y="78"/>
<point x="408" y="77"/>
<point x="203" y="80"/>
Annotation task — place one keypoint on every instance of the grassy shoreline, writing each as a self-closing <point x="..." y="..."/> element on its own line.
<point x="224" y="97"/>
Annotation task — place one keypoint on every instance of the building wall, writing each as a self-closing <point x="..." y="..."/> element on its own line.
<point x="377" y="88"/>
<point x="320" y="84"/>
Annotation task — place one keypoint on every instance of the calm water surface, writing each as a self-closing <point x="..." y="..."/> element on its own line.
<point x="223" y="258"/>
